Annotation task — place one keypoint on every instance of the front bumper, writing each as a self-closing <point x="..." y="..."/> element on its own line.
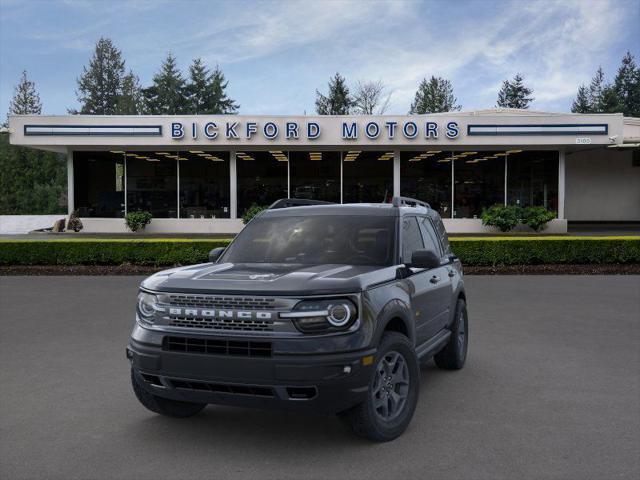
<point x="322" y="383"/>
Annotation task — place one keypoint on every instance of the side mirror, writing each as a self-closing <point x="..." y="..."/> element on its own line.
<point x="425" y="259"/>
<point x="214" y="254"/>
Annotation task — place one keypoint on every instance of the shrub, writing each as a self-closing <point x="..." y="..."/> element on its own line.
<point x="251" y="212"/>
<point x="503" y="217"/>
<point x="74" y="223"/>
<point x="137" y="220"/>
<point x="537" y="217"/>
<point x="166" y="252"/>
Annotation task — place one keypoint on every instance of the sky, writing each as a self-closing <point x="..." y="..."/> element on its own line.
<point x="275" y="54"/>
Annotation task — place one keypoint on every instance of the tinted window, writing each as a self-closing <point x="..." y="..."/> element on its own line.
<point x="442" y="234"/>
<point x="314" y="240"/>
<point x="429" y="236"/>
<point x="411" y="238"/>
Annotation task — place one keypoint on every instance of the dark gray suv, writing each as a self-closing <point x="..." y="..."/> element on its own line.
<point x="317" y="307"/>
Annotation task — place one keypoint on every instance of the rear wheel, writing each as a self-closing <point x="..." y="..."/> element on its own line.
<point x="164" y="406"/>
<point x="392" y="395"/>
<point x="454" y="354"/>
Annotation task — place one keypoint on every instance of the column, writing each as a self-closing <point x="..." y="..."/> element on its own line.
<point x="70" y="183"/>
<point x="561" y="176"/>
<point x="396" y="173"/>
<point x="233" y="185"/>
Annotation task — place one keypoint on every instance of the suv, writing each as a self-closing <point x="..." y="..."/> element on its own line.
<point x="321" y="307"/>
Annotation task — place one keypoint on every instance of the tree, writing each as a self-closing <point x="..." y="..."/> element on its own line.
<point x="434" y="95"/>
<point x="206" y="92"/>
<point x="581" y="104"/>
<point x="338" y="101"/>
<point x="25" y="99"/>
<point x="100" y="85"/>
<point x="167" y="95"/>
<point x="370" y="98"/>
<point x="596" y="91"/>
<point x="514" y="94"/>
<point x="130" y="101"/>
<point x="627" y="86"/>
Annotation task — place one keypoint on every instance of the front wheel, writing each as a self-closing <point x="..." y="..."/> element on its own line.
<point x="454" y="354"/>
<point x="392" y="395"/>
<point x="164" y="406"/>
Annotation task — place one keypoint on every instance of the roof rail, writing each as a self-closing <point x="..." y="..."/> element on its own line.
<point x="296" y="202"/>
<point x="408" y="202"/>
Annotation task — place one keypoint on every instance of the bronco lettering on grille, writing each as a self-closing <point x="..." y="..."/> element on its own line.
<point x="209" y="313"/>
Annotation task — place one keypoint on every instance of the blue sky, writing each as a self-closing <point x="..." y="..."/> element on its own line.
<point x="276" y="53"/>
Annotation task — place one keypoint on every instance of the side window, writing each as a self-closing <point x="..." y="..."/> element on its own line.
<point x="430" y="239"/>
<point x="442" y="234"/>
<point x="411" y="238"/>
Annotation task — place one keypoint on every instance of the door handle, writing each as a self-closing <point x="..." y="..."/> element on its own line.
<point x="435" y="279"/>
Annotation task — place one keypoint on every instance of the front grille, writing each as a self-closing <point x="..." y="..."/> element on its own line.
<point x="216" y="301"/>
<point x="217" y="347"/>
<point x="254" y="390"/>
<point x="226" y="324"/>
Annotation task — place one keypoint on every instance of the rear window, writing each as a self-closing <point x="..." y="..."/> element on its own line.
<point x="314" y="240"/>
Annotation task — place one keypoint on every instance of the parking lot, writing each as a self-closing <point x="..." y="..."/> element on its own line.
<point x="551" y="390"/>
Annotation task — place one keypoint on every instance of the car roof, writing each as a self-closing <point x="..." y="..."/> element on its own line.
<point x="354" y="209"/>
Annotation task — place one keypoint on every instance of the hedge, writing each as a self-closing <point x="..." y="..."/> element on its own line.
<point x="163" y="252"/>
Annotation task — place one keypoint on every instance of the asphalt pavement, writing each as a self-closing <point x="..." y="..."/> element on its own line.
<point x="551" y="389"/>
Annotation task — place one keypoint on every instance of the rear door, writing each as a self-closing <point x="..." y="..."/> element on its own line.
<point x="439" y="298"/>
<point x="420" y="288"/>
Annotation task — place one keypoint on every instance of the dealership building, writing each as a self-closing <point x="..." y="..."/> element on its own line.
<point x="199" y="174"/>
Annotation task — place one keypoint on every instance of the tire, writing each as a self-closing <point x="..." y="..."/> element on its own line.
<point x="164" y="406"/>
<point x="368" y="419"/>
<point x="454" y="354"/>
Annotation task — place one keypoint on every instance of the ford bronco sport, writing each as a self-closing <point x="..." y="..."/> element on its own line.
<point x="318" y="307"/>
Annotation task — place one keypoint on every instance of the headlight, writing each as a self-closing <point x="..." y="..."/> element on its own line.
<point x="318" y="316"/>
<point x="147" y="306"/>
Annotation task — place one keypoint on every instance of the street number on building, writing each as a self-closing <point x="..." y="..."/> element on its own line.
<point x="583" y="141"/>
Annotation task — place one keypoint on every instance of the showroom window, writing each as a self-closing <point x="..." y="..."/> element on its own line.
<point x="315" y="175"/>
<point x="99" y="184"/>
<point x="367" y="176"/>
<point x="426" y="175"/>
<point x="532" y="178"/>
<point x="262" y="178"/>
<point x="204" y="184"/>
<point x="478" y="182"/>
<point x="152" y="183"/>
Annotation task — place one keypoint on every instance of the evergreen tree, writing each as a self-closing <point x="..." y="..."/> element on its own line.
<point x="627" y="86"/>
<point x="581" y="104"/>
<point x="130" y="101"/>
<point x="433" y="96"/>
<point x="596" y="91"/>
<point x="338" y="101"/>
<point x="514" y="94"/>
<point x="206" y="91"/>
<point x="100" y="85"/>
<point x="25" y="99"/>
<point x="167" y="95"/>
<point x="218" y="101"/>
<point x="31" y="181"/>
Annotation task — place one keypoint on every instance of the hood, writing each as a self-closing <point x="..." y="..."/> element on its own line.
<point x="269" y="279"/>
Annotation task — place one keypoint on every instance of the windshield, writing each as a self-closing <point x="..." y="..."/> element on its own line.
<point x="314" y="240"/>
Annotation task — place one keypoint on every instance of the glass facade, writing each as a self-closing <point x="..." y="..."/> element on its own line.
<point x="261" y="178"/>
<point x="367" y="177"/>
<point x="532" y="179"/>
<point x="99" y="184"/>
<point x="204" y="184"/>
<point x="315" y="175"/>
<point x="152" y="184"/>
<point x="197" y="184"/>
<point x="426" y="175"/>
<point x="478" y="182"/>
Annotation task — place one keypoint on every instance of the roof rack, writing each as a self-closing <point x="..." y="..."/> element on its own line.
<point x="408" y="202"/>
<point x="296" y="202"/>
